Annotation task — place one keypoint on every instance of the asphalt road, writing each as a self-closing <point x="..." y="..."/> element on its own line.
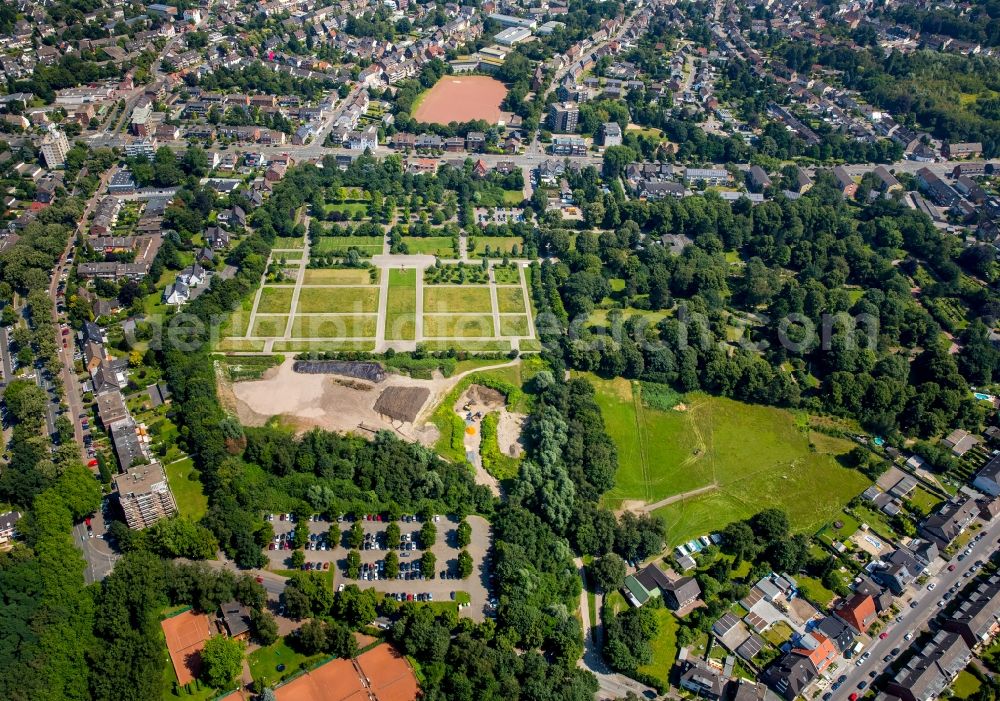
<point x="5" y="360"/>
<point x="96" y="551"/>
<point x="914" y="620"/>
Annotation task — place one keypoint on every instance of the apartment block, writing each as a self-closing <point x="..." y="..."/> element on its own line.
<point x="145" y="495"/>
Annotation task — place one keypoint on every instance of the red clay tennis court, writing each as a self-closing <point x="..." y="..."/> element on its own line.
<point x="381" y="674"/>
<point x="462" y="99"/>
<point x="186" y="634"/>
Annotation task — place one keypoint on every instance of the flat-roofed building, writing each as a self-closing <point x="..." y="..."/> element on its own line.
<point x="145" y="495"/>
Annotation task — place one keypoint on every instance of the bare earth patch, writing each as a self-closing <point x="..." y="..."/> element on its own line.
<point x="462" y="99"/>
<point x="509" y="430"/>
<point x="306" y="401"/>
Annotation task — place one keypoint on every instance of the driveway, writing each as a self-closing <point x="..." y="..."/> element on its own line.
<point x="476" y="586"/>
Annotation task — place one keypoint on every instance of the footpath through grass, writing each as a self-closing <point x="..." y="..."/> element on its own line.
<point x="745" y="457"/>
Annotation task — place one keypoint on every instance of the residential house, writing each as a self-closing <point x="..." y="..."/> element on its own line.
<point x="977" y="618"/>
<point x="841" y="634"/>
<point x="848" y="188"/>
<point x="111" y="407"/>
<point x="701" y="678"/>
<point x="887" y="181"/>
<point x="643" y="585"/>
<point x="790" y="675"/>
<point x="681" y="592"/>
<point x="927" y="674"/>
<point x="963" y="150"/>
<point x="858" y="612"/>
<point x="8" y="527"/>
<point x="941" y="192"/>
<point x="987" y="480"/>
<point x="176" y="294"/>
<point x="960" y="442"/>
<point x="758" y="179"/>
<point x="234" y="619"/>
<point x="216" y="237"/>
<point x="949" y="521"/>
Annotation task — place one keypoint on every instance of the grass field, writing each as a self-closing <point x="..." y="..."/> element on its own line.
<point x="471" y="346"/>
<point x="510" y="300"/>
<point x="368" y="245"/>
<point x="240" y="344"/>
<point x="401" y="307"/>
<point x="185" y="483"/>
<point x="506" y="275"/>
<point x="430" y="245"/>
<point x="269" y="326"/>
<point x="503" y="244"/>
<point x="342" y="300"/>
<point x="337" y="276"/>
<point x="281" y="242"/>
<point x="275" y="300"/>
<point x="464" y="326"/>
<point x="965" y="685"/>
<point x="748" y="457"/>
<point x="341" y="326"/>
<point x="264" y="662"/>
<point x="457" y="300"/>
<point x="300" y="346"/>
<point x="513" y="325"/>
<point x="664" y="646"/>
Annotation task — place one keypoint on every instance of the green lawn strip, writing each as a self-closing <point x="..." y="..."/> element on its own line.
<point x="275" y="300"/>
<point x="514" y="325"/>
<point x="269" y="326"/>
<point x="497" y="244"/>
<point x="335" y="327"/>
<point x="300" y="346"/>
<point x="265" y="661"/>
<point x="283" y="242"/>
<point x="189" y="493"/>
<point x="965" y="685"/>
<point x="507" y="275"/>
<point x="495" y="461"/>
<point x="240" y="344"/>
<point x="510" y="300"/>
<point x="368" y="245"/>
<point x="462" y="326"/>
<point x="239" y="320"/>
<point x="664" y="646"/>
<point x="340" y="300"/>
<point x="338" y="276"/>
<point x="814" y="590"/>
<point x="401" y="305"/>
<point x="470" y="346"/>
<point x="457" y="300"/>
<point x="442" y="246"/>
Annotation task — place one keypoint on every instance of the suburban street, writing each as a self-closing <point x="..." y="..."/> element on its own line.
<point x="914" y="620"/>
<point x="96" y="551"/>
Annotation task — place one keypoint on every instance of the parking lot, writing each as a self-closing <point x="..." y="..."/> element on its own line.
<point x="329" y="548"/>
